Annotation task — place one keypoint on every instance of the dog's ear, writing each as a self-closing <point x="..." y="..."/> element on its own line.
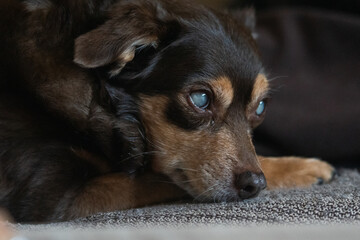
<point x="247" y="17"/>
<point x="132" y="26"/>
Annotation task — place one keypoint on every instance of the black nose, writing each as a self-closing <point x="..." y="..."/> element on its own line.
<point x="249" y="184"/>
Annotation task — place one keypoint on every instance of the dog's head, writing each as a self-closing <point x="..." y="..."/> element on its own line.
<point x="200" y="87"/>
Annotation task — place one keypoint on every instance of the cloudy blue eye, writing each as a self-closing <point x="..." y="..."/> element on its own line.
<point x="261" y="108"/>
<point x="200" y="99"/>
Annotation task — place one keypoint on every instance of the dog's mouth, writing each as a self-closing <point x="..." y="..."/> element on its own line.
<point x="203" y="186"/>
<point x="195" y="187"/>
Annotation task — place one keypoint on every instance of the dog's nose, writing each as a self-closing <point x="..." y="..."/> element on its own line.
<point x="249" y="184"/>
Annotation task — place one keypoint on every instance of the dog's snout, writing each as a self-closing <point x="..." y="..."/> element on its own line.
<point x="249" y="184"/>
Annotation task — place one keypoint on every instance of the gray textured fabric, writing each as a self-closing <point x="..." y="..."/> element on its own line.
<point x="337" y="202"/>
<point x="317" y="232"/>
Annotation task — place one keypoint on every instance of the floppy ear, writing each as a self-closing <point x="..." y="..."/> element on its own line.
<point x="131" y="26"/>
<point x="247" y="17"/>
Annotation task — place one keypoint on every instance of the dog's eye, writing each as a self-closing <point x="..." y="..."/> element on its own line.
<point x="261" y="108"/>
<point x="200" y="99"/>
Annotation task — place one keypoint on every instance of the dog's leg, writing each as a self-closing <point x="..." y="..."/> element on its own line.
<point x="286" y="172"/>
<point x="119" y="191"/>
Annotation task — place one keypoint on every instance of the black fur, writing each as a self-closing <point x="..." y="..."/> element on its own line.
<point x="50" y="106"/>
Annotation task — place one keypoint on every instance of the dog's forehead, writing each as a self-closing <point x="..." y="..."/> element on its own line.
<point x="226" y="52"/>
<point x="207" y="48"/>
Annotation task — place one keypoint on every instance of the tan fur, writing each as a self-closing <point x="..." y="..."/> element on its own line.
<point x="119" y="191"/>
<point x="128" y="54"/>
<point x="223" y="90"/>
<point x="285" y="172"/>
<point x="260" y="90"/>
<point x="261" y="87"/>
<point x="198" y="161"/>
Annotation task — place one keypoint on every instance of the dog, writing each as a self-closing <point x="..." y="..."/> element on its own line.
<point x="115" y="104"/>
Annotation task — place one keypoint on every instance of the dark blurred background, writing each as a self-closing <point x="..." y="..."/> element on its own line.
<point x="311" y="50"/>
<point x="349" y="6"/>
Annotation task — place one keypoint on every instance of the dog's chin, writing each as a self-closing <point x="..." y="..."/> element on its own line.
<point x="213" y="192"/>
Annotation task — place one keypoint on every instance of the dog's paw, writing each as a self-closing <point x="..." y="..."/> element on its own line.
<point x="288" y="172"/>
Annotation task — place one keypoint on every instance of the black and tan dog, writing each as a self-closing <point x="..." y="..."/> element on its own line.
<point x="91" y="90"/>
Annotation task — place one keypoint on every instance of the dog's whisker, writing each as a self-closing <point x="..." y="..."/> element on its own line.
<point x="224" y="196"/>
<point x="139" y="155"/>
<point x="186" y="181"/>
<point x="276" y="78"/>
<point x="171" y="182"/>
<point x="158" y="145"/>
<point x="276" y="88"/>
<point x="149" y="141"/>
<point x="143" y="136"/>
<point x="226" y="122"/>
<point x="192" y="180"/>
<point x="214" y="197"/>
<point x="188" y="169"/>
<point x="206" y="191"/>
<point x="219" y="195"/>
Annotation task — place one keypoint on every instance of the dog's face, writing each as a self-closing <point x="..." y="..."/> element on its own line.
<point x="200" y="90"/>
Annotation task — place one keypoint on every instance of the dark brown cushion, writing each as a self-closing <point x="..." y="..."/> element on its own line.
<point x="314" y="58"/>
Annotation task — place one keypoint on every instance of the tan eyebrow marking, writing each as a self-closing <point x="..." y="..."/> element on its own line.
<point x="223" y="90"/>
<point x="261" y="87"/>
